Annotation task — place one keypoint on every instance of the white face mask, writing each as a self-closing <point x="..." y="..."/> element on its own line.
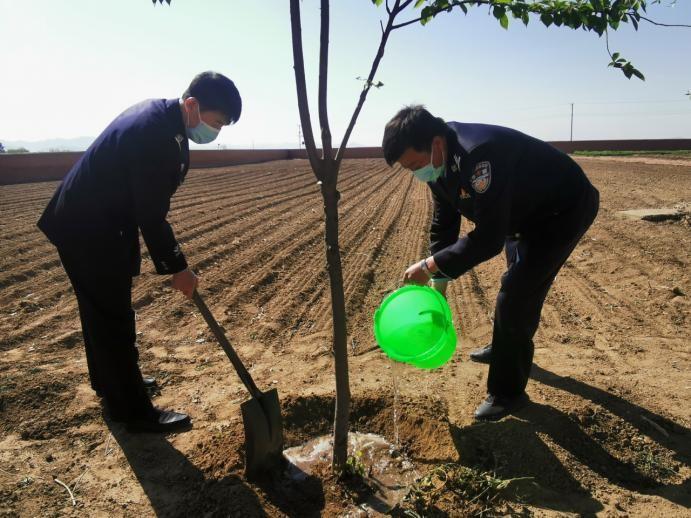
<point x="429" y="173"/>
<point x="202" y="133"/>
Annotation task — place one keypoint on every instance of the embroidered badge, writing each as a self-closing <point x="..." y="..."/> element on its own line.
<point x="457" y="166"/>
<point x="481" y="177"/>
<point x="178" y="139"/>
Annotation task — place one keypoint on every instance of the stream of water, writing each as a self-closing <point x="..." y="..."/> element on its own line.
<point x="394" y="374"/>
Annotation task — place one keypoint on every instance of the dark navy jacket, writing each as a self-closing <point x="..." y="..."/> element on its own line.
<point x="123" y="183"/>
<point x="504" y="181"/>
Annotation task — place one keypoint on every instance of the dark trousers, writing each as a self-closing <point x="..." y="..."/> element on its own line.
<point x="107" y="317"/>
<point x="532" y="264"/>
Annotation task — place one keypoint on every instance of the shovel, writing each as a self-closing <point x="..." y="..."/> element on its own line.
<point x="261" y="414"/>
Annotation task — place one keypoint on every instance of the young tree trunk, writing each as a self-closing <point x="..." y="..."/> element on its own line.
<point x="340" y="333"/>
<point x="326" y="171"/>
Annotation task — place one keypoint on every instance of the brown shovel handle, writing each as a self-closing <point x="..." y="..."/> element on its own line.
<point x="230" y="352"/>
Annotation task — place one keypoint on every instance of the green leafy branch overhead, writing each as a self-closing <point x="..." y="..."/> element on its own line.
<point x="598" y="16"/>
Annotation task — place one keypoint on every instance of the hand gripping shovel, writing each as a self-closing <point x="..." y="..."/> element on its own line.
<point x="261" y="414"/>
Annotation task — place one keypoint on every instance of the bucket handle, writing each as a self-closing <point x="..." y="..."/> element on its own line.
<point x="437" y="317"/>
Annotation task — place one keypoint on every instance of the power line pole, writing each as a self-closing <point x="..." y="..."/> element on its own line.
<point x="571" y="122"/>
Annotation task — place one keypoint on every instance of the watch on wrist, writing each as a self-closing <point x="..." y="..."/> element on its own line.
<point x="425" y="268"/>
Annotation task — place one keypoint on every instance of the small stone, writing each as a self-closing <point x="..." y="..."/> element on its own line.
<point x="678" y="291"/>
<point x="654" y="215"/>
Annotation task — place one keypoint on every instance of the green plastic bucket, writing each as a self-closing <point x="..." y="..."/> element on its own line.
<point x="414" y="325"/>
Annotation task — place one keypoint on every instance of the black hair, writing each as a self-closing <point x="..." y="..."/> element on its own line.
<point x="412" y="127"/>
<point x="216" y="92"/>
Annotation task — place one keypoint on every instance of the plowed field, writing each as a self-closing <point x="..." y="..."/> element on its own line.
<point x="608" y="430"/>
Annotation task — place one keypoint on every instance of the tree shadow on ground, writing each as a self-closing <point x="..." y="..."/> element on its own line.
<point x="177" y="487"/>
<point x="565" y="432"/>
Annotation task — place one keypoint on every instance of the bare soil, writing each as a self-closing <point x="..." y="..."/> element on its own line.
<point x="607" y="433"/>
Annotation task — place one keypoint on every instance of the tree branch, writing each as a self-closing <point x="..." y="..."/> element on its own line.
<point x="535" y="9"/>
<point x="607" y="43"/>
<point x="658" y="23"/>
<point x="404" y="24"/>
<point x="437" y="11"/>
<point x="370" y="78"/>
<point x="327" y="151"/>
<point x="402" y="6"/>
<point x="303" y="105"/>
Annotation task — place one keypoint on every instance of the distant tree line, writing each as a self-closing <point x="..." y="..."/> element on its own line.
<point x="12" y="150"/>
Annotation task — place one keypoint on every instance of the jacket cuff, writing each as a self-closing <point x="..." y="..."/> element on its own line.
<point x="444" y="259"/>
<point x="174" y="263"/>
<point x="440" y="275"/>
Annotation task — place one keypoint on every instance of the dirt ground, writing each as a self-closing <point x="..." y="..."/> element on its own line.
<point x="607" y="433"/>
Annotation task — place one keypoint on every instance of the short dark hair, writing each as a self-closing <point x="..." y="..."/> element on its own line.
<point x="412" y="127"/>
<point x="216" y="92"/>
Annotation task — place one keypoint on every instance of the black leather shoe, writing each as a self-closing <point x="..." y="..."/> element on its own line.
<point x="160" y="421"/>
<point x="494" y="408"/>
<point x="482" y="355"/>
<point x="149" y="381"/>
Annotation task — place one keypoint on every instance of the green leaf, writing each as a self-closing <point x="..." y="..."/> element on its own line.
<point x="546" y="19"/>
<point x="418" y="3"/>
<point x="426" y="15"/>
<point x="377" y="2"/>
<point x="504" y="21"/>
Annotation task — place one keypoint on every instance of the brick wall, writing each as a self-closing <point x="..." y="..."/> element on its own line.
<point x="40" y="167"/>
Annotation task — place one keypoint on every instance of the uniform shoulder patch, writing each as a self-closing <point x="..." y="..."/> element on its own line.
<point x="481" y="178"/>
<point x="457" y="164"/>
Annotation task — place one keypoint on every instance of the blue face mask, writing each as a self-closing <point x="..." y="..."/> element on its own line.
<point x="429" y="173"/>
<point x="202" y="133"/>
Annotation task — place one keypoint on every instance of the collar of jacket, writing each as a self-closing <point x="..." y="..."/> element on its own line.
<point x="178" y="133"/>
<point x="174" y="116"/>
<point x="448" y="185"/>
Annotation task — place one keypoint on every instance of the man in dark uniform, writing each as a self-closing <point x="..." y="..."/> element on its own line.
<point x="123" y="184"/>
<point x="523" y="195"/>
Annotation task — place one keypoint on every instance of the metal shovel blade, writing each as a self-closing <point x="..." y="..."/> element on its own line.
<point x="261" y="414"/>
<point x="263" y="434"/>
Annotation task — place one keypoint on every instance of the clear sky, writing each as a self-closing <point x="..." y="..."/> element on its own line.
<point x="69" y="67"/>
